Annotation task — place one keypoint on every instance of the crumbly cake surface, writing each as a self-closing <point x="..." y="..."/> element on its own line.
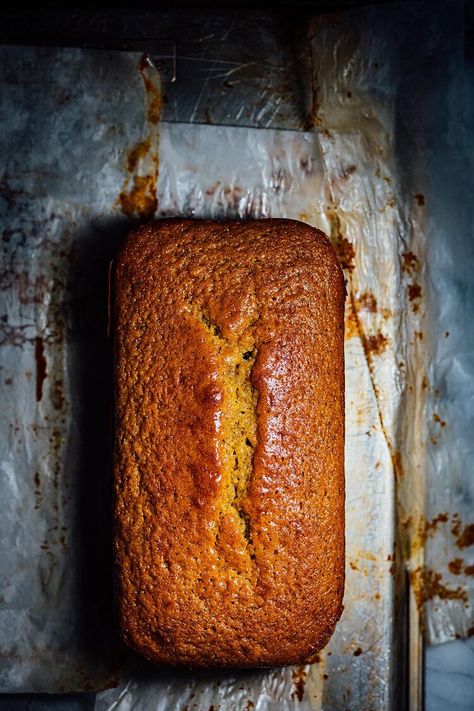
<point x="229" y="442"/>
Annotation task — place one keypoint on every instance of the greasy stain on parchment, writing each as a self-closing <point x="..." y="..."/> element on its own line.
<point x="138" y="197"/>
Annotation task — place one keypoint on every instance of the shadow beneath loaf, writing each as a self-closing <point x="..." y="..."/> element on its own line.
<point x="89" y="453"/>
<point x="145" y="671"/>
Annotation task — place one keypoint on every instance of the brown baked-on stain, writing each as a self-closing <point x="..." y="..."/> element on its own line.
<point x="298" y="677"/>
<point x="376" y="344"/>
<point x="427" y="585"/>
<point x="345" y="252"/>
<point x="353" y="565"/>
<point x="455" y="566"/>
<point x="250" y="705"/>
<point x="358" y="652"/>
<point x="367" y="302"/>
<point x="41" y="372"/>
<point x="137" y="154"/>
<point x="470" y="632"/>
<point x="347" y="172"/>
<point x="440" y="518"/>
<point x="344" y="249"/>
<point x="414" y="295"/>
<point x="154" y="97"/>
<point x="410" y="263"/>
<point x="141" y="198"/>
<point x="397" y="465"/>
<point x="139" y="192"/>
<point x="419" y="335"/>
<point x="351" y="326"/>
<point x="466" y="537"/>
<point x="456" y="524"/>
<point x="420" y="199"/>
<point x="469" y="570"/>
<point x="438" y="420"/>
<point x="38" y="494"/>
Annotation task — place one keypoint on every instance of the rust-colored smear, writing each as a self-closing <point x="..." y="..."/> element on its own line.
<point x="411" y="263"/>
<point x="440" y="518"/>
<point x="424" y="383"/>
<point x="351" y="328"/>
<point x="344" y="249"/>
<point x="438" y="419"/>
<point x="353" y="565"/>
<point x="137" y="154"/>
<point x="345" y="252"/>
<point x="358" y="652"/>
<point x="427" y="585"/>
<point x="155" y="103"/>
<point x="419" y="335"/>
<point x="414" y="295"/>
<point x="367" y="302"/>
<point x="376" y="344"/>
<point x="420" y="199"/>
<point x="469" y="570"/>
<point x="41" y="372"/>
<point x="299" y="678"/>
<point x="250" y="705"/>
<point x="470" y="632"/>
<point x="456" y="525"/>
<point x="455" y="566"/>
<point x="139" y="192"/>
<point x="466" y="538"/>
<point x="141" y="198"/>
<point x="397" y="465"/>
<point x="154" y="98"/>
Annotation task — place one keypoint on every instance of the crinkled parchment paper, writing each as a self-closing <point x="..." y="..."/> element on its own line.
<point x="84" y="158"/>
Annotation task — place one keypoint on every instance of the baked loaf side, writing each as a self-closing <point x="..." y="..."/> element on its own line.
<point x="229" y="444"/>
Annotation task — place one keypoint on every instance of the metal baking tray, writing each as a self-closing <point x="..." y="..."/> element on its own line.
<point x="80" y="127"/>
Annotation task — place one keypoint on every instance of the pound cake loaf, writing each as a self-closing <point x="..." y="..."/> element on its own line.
<point x="229" y="442"/>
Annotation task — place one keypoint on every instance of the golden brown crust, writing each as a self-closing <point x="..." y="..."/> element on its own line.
<point x="229" y="445"/>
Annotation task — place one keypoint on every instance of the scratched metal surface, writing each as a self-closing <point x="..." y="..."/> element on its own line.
<point x="84" y="158"/>
<point x="247" y="69"/>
